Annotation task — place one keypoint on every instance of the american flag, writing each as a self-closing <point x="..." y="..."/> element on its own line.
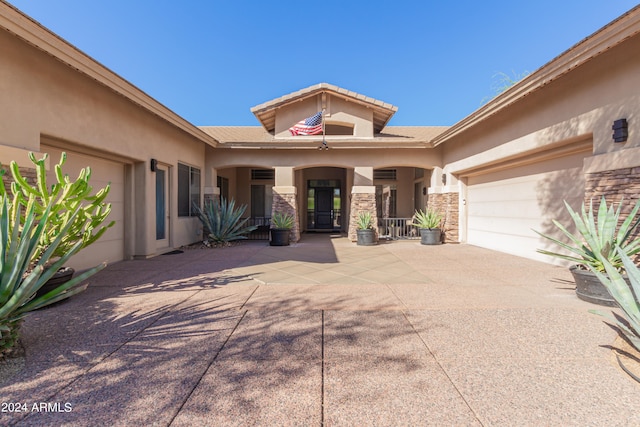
<point x="309" y="126"/>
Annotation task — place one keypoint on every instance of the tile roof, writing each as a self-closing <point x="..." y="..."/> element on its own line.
<point x="383" y="111"/>
<point x="257" y="136"/>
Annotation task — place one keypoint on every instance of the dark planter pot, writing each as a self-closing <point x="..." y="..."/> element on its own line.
<point x="430" y="236"/>
<point x="366" y="237"/>
<point x="280" y="236"/>
<point x="590" y="289"/>
<point x="60" y="277"/>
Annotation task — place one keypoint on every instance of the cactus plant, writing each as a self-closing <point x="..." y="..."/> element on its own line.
<point x="64" y="198"/>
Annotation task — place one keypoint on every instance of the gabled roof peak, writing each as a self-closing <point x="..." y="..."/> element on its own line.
<point x="265" y="112"/>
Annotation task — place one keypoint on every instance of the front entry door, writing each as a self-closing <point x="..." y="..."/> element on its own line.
<point x="324" y="208"/>
<point x="162" y="207"/>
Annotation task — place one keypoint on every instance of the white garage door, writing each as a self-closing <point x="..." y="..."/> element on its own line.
<point x="110" y="247"/>
<point x="504" y="207"/>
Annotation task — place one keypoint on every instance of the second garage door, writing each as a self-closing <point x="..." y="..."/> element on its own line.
<point x="505" y="206"/>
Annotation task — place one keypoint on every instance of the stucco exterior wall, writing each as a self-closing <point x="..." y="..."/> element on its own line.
<point x="46" y="100"/>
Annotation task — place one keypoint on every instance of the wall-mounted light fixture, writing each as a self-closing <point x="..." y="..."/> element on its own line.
<point x="154" y="165"/>
<point x="444" y="179"/>
<point x="620" y="130"/>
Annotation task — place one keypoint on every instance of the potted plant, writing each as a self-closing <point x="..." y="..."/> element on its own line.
<point x="596" y="239"/>
<point x="64" y="198"/>
<point x="365" y="233"/>
<point x="282" y="223"/>
<point x="429" y="224"/>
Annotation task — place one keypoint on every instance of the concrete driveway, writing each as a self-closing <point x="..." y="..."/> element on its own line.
<point x="322" y="333"/>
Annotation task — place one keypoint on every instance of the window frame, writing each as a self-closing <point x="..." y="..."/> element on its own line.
<point x="193" y="189"/>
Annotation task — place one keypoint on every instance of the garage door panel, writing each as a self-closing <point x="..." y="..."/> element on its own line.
<point x="504" y="208"/>
<point x="111" y="245"/>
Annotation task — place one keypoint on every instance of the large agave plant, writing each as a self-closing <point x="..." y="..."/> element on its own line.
<point x="222" y="221"/>
<point x="20" y="278"/>
<point x="598" y="237"/>
<point x="626" y="296"/>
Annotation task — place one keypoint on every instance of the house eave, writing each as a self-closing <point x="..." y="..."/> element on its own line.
<point x="35" y="34"/>
<point x="626" y="26"/>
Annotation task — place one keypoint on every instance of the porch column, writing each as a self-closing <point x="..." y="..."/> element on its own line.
<point x="285" y="198"/>
<point x="444" y="197"/>
<point x="363" y="198"/>
<point x="211" y="189"/>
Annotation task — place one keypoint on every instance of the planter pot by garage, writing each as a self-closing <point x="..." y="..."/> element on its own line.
<point x="366" y="237"/>
<point x="589" y="288"/>
<point x="60" y="277"/>
<point x="430" y="236"/>
<point x="280" y="236"/>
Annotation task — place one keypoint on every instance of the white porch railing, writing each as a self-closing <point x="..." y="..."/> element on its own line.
<point x="397" y="229"/>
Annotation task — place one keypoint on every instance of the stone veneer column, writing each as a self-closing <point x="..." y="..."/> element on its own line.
<point x="285" y="201"/>
<point x="285" y="198"/>
<point x="363" y="199"/>
<point x="447" y="204"/>
<point x="618" y="185"/>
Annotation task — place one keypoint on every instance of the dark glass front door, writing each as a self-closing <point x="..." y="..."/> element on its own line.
<point x="324" y="208"/>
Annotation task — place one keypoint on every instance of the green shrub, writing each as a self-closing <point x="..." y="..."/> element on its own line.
<point x="222" y="221"/>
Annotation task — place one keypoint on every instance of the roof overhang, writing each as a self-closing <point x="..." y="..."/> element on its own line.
<point x="266" y="112"/>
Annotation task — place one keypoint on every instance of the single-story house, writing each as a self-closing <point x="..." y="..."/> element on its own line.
<point x="496" y="175"/>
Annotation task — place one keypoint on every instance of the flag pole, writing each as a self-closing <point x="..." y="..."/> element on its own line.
<point x="324" y="141"/>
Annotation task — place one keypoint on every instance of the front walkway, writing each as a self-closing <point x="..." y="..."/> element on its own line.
<point x="323" y="332"/>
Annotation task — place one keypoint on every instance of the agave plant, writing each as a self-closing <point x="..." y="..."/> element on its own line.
<point x="429" y="219"/>
<point x="364" y="221"/>
<point x="597" y="237"/>
<point x="20" y="278"/>
<point x="222" y="221"/>
<point x="282" y="220"/>
<point x="626" y="296"/>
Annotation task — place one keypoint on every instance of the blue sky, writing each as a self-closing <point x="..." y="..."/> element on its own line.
<point x="210" y="61"/>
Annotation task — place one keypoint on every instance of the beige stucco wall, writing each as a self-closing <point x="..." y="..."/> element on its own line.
<point x="43" y="98"/>
<point x="337" y="110"/>
<point x="581" y="103"/>
<point x="343" y="158"/>
<point x="566" y="121"/>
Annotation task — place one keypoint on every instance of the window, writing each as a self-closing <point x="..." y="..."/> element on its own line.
<point x="188" y="189"/>
<point x="261" y="201"/>
<point x="385" y="174"/>
<point x="260" y="174"/>
<point x="223" y="185"/>
<point x="386" y="196"/>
